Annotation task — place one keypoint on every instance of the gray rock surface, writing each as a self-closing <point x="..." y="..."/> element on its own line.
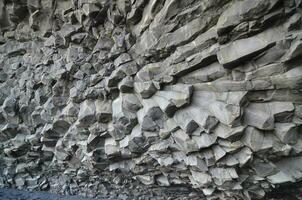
<point x="13" y="194"/>
<point x="151" y="99"/>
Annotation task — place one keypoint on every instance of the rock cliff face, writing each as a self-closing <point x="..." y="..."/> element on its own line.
<point x="150" y="99"/>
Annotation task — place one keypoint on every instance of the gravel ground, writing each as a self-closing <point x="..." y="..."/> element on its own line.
<point x="291" y="193"/>
<point x="13" y="194"/>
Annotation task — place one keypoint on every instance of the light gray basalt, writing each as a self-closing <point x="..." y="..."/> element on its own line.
<point x="151" y="99"/>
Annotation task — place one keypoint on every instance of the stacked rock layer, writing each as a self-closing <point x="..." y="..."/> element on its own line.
<point x="198" y="93"/>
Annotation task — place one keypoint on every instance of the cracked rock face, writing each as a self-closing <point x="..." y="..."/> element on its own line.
<point x="199" y="95"/>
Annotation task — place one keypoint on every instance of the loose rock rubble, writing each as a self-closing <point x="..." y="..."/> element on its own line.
<point x="13" y="194"/>
<point x="151" y="99"/>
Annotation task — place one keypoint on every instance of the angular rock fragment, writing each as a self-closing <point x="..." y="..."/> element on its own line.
<point x="222" y="175"/>
<point x="162" y="180"/>
<point x="146" y="89"/>
<point x="209" y="157"/>
<point x="122" y="59"/>
<point x="153" y="120"/>
<point x="126" y="85"/>
<point x="264" y="169"/>
<point x="227" y="114"/>
<point x="266" y="71"/>
<point x="67" y="30"/>
<point x="205" y="74"/>
<point x="87" y="112"/>
<point x="194" y="62"/>
<point x="145" y="179"/>
<point x="111" y="147"/>
<point x="203" y="41"/>
<point x="103" y="111"/>
<point x="131" y="102"/>
<point x="184" y="142"/>
<point x="137" y="142"/>
<point x="241" y="158"/>
<point x="130" y="68"/>
<point x="9" y="106"/>
<point x="231" y="134"/>
<point x="33" y="20"/>
<point x="124" y="119"/>
<point x="115" y="78"/>
<point x="289" y="171"/>
<point x="165" y="104"/>
<point x="287" y="132"/>
<point x="169" y="127"/>
<point x="185" y="120"/>
<point x="149" y="72"/>
<point x="218" y="152"/>
<point x="230" y="147"/>
<point x="280" y="177"/>
<point x="162" y="146"/>
<point x="259" y="115"/>
<point x="18" y="148"/>
<point x="256" y="140"/>
<point x="282" y="111"/>
<point x="205" y="140"/>
<point x="294" y="52"/>
<point x="243" y="11"/>
<point x="291" y="79"/>
<point x="90" y="9"/>
<point x="241" y="50"/>
<point x="117" y="130"/>
<point x="60" y="126"/>
<point x="201" y="179"/>
<point x="173" y="97"/>
<point x="196" y="162"/>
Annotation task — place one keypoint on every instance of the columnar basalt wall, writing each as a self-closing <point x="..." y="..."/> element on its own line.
<point x="115" y="98"/>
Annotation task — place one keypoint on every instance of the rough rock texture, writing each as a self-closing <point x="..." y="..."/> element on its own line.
<point x="13" y="194"/>
<point x="151" y="99"/>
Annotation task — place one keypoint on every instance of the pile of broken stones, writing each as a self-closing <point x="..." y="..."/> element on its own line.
<point x="151" y="99"/>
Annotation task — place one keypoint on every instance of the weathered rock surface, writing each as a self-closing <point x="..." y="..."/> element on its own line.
<point x="151" y="99"/>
